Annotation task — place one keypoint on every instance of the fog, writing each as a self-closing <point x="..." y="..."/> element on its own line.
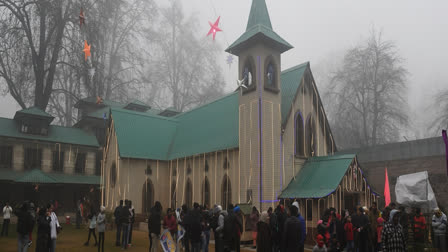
<point x="319" y="30"/>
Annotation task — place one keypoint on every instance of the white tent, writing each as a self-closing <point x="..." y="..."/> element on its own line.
<point x="414" y="190"/>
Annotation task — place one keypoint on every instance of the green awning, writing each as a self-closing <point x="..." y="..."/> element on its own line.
<point x="37" y="176"/>
<point x="319" y="177"/>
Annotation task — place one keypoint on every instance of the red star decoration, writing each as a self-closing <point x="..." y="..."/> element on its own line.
<point x="82" y="18"/>
<point x="86" y="49"/>
<point x="214" y="28"/>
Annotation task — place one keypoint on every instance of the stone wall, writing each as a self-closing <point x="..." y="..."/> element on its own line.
<point x="436" y="167"/>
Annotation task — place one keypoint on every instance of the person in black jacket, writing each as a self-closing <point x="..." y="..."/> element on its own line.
<point x="25" y="225"/>
<point x="125" y="216"/>
<point x="292" y="232"/>
<point x="361" y="225"/>
<point x="192" y="224"/>
<point x="154" y="224"/>
<point x="43" y="230"/>
<point x="117" y="222"/>
<point x="231" y="229"/>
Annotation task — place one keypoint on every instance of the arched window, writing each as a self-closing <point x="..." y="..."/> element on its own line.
<point x="299" y="135"/>
<point x="248" y="74"/>
<point x="173" y="194"/>
<point x="226" y="193"/>
<point x="189" y="194"/>
<point x="113" y="175"/>
<point x="310" y="137"/>
<point x="147" y="196"/>
<point x="206" y="192"/>
<point x="270" y="74"/>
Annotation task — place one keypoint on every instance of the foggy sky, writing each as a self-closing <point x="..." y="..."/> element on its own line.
<point x="321" y="28"/>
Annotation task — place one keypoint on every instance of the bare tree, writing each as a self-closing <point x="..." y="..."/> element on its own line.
<point x="369" y="93"/>
<point x="184" y="66"/>
<point x="441" y="107"/>
<point x="32" y="34"/>
<point x="116" y="31"/>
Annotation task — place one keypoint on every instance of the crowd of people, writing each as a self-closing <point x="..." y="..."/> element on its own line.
<point x="282" y="229"/>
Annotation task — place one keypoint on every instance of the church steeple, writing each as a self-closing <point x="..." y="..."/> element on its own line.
<point x="259" y="15"/>
<point x="259" y="29"/>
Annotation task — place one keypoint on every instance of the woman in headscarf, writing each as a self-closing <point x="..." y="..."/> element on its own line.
<point x="264" y="238"/>
<point x="392" y="237"/>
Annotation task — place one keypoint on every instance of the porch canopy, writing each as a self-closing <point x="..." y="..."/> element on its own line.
<point x="37" y="176"/>
<point x="319" y="177"/>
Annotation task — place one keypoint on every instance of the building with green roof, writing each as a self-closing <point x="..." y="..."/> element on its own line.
<point x="269" y="140"/>
<point x="42" y="162"/>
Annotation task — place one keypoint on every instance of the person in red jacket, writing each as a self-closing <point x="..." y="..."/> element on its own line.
<point x="348" y="227"/>
<point x="170" y="223"/>
<point x="419" y="228"/>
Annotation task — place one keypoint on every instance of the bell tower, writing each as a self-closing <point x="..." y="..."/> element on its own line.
<point x="259" y="52"/>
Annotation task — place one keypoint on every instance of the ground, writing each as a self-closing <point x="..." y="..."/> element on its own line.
<point x="72" y="240"/>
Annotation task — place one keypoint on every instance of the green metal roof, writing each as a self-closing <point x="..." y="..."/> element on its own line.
<point x="39" y="177"/>
<point x="141" y="135"/>
<point x="319" y="177"/>
<point x="259" y="15"/>
<point x="208" y="128"/>
<point x="57" y="134"/>
<point x="291" y="80"/>
<point x="36" y="176"/>
<point x="259" y="27"/>
<point x="34" y="111"/>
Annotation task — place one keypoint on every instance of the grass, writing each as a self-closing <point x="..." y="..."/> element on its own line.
<point x="72" y="240"/>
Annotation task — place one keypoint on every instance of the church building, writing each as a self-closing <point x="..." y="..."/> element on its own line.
<point x="266" y="142"/>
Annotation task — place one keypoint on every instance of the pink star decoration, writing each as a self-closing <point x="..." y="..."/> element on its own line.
<point x="214" y="28"/>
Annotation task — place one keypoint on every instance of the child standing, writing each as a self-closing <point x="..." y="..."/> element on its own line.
<point x="379" y="229"/>
<point x="348" y="227"/>
<point x="92" y="227"/>
<point x="320" y="246"/>
<point x="101" y="225"/>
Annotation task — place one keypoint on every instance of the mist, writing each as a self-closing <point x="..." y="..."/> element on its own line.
<point x="321" y="31"/>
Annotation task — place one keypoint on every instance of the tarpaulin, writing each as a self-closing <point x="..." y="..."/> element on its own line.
<point x="414" y="190"/>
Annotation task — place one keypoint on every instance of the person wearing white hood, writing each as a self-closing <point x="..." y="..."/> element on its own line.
<point x="392" y="236"/>
<point x="439" y="223"/>
<point x="303" y="226"/>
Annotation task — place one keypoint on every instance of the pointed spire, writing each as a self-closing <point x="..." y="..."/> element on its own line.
<point x="259" y="28"/>
<point x="259" y="15"/>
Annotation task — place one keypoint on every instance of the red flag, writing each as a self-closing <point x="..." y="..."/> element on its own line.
<point x="386" y="189"/>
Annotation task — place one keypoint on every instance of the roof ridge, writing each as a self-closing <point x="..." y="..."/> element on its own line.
<point x="122" y="110"/>
<point x="206" y="104"/>
<point x="295" y="67"/>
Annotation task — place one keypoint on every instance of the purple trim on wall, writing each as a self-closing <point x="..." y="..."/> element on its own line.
<point x="260" y="135"/>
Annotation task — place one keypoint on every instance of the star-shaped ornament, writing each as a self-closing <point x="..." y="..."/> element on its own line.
<point x="214" y="28"/>
<point x="241" y="84"/>
<point x="229" y="60"/>
<point x="86" y="50"/>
